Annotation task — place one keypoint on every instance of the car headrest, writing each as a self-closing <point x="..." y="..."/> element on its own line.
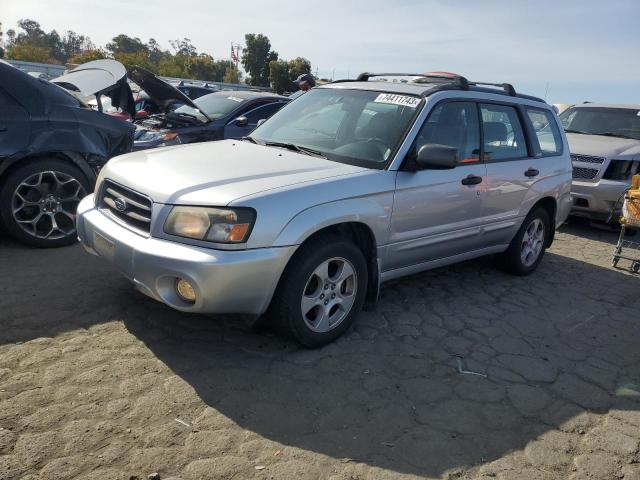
<point x="494" y="132"/>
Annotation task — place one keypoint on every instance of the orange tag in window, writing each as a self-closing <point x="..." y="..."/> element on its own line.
<point x="470" y="160"/>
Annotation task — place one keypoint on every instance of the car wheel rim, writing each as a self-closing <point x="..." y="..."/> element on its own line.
<point x="44" y="204"/>
<point x="532" y="242"/>
<point x="329" y="294"/>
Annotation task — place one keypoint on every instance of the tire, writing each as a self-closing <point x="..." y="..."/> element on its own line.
<point x="515" y="260"/>
<point x="301" y="289"/>
<point x="38" y="202"/>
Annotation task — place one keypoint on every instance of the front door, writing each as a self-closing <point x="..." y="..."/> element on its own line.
<point x="436" y="213"/>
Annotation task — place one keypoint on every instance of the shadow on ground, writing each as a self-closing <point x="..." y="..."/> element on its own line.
<point x="554" y="347"/>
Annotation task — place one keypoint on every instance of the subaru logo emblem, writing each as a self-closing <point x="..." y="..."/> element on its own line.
<point x="120" y="204"/>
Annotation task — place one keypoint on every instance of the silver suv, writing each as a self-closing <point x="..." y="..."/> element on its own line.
<point x="350" y="185"/>
<point x="605" y="148"/>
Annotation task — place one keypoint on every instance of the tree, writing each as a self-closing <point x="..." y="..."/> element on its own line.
<point x="125" y="44"/>
<point x="299" y="66"/>
<point x="279" y="76"/>
<point x="28" y="53"/>
<point x="184" y="47"/>
<point x="87" y="56"/>
<point x="231" y="75"/>
<point x="256" y="56"/>
<point x="140" y="59"/>
<point x="155" y="52"/>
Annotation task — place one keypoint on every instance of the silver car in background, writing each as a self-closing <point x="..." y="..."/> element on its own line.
<point x="605" y="149"/>
<point x="352" y="184"/>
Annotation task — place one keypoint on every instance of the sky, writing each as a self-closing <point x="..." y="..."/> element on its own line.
<point x="564" y="50"/>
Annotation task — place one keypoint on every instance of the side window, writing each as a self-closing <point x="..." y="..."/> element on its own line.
<point x="454" y="124"/>
<point x="546" y="129"/>
<point x="503" y="135"/>
<point x="263" y="112"/>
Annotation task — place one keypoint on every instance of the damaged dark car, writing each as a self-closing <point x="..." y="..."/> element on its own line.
<point x="52" y="145"/>
<point x="216" y="116"/>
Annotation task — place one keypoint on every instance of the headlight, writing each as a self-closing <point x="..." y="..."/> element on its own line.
<point x="220" y="225"/>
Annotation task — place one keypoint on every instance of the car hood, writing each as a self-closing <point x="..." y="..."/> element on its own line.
<point x="216" y="173"/>
<point x="100" y="77"/>
<point x="159" y="90"/>
<point x="602" y="146"/>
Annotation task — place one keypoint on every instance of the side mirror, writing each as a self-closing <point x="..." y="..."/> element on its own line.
<point x="437" y="157"/>
<point x="261" y="121"/>
<point x="241" y="122"/>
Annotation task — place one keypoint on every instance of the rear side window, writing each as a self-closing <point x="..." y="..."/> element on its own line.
<point x="454" y="124"/>
<point x="546" y="130"/>
<point x="503" y="134"/>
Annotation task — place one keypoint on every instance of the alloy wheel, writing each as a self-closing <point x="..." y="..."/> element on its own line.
<point x="532" y="242"/>
<point x="44" y="204"/>
<point x="329" y="294"/>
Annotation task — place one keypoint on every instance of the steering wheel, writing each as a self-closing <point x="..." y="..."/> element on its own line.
<point x="380" y="142"/>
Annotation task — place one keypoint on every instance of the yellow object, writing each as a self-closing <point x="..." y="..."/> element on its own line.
<point x="635" y="182"/>
<point x="631" y="207"/>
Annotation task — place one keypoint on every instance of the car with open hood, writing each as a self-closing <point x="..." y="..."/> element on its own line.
<point x="352" y="184"/>
<point x="52" y="146"/>
<point x="215" y="116"/>
<point x="604" y="140"/>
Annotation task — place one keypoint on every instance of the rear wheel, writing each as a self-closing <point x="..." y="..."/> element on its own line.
<point x="528" y="246"/>
<point x="321" y="291"/>
<point x="38" y="202"/>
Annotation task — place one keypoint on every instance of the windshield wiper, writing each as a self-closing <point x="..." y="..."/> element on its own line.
<point x="613" y="134"/>
<point x="249" y="138"/>
<point x="297" y="148"/>
<point x="578" y="131"/>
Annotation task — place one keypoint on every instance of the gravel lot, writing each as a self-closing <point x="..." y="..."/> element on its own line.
<point x="99" y="382"/>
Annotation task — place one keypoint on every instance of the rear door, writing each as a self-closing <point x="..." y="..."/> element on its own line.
<point x="436" y="213"/>
<point x="514" y="165"/>
<point x="15" y="127"/>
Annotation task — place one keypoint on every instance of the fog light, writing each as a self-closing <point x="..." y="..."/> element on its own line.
<point x="185" y="290"/>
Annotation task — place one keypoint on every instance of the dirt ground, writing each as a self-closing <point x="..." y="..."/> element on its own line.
<point x="99" y="382"/>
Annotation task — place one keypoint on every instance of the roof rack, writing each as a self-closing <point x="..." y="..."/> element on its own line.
<point x="443" y="80"/>
<point x="507" y="87"/>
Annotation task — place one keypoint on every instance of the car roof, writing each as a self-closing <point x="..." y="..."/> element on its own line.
<point x="630" y="106"/>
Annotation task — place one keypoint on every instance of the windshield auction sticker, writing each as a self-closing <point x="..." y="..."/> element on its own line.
<point x="404" y="100"/>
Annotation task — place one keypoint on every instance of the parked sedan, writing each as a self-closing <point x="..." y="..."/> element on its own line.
<point x="215" y="116"/>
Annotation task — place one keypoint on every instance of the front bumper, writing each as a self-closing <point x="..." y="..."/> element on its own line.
<point x="240" y="281"/>
<point x="596" y="200"/>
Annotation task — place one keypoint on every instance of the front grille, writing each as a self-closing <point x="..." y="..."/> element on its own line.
<point x="581" y="173"/>
<point x="586" y="159"/>
<point x="132" y="208"/>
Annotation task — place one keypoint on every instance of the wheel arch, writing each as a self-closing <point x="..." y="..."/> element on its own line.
<point x="550" y="205"/>
<point x="364" y="238"/>
<point x="77" y="159"/>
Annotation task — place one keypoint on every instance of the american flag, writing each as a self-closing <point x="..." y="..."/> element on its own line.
<point x="234" y="55"/>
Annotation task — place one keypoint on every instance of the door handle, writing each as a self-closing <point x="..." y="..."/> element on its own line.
<point x="532" y="172"/>
<point x="3" y="127"/>
<point x="471" y="180"/>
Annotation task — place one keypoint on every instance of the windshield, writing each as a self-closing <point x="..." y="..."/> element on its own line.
<point x="214" y="106"/>
<point x="615" y="122"/>
<point x="348" y="126"/>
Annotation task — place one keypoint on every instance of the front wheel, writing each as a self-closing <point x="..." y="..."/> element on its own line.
<point x="321" y="291"/>
<point x="38" y="202"/>
<point x="528" y="246"/>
